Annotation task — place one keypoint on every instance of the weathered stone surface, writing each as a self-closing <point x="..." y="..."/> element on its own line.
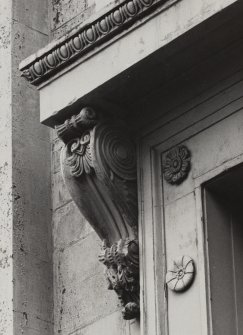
<point x="69" y="226"/>
<point x="66" y="14"/>
<point x="60" y="195"/>
<point x="6" y="267"/>
<point x="57" y="145"/>
<point x="26" y="119"/>
<point x="25" y="244"/>
<point x="79" y="303"/>
<point x="31" y="215"/>
<point x="33" y="288"/>
<point x="78" y="261"/>
<point x="64" y="10"/>
<point x="30" y="324"/>
<point x="116" y="326"/>
<point x="134" y="327"/>
<point x="31" y="14"/>
<point x="31" y="181"/>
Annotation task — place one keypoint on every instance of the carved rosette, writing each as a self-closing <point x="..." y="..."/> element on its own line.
<point x="99" y="168"/>
<point x="181" y="274"/>
<point x="177" y="165"/>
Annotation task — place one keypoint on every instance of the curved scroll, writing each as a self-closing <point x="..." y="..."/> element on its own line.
<point x="99" y="168"/>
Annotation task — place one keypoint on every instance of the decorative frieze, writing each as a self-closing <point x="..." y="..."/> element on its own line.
<point x="83" y="40"/>
<point x="99" y="168"/>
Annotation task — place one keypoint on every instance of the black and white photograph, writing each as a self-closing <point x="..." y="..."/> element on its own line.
<point x="121" y="167"/>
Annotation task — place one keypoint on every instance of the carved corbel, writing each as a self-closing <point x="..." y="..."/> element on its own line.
<point x="98" y="165"/>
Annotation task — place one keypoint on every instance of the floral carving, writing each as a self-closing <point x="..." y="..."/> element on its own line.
<point x="80" y="159"/>
<point x="181" y="275"/>
<point x="177" y="165"/>
<point x="86" y="39"/>
<point x="122" y="263"/>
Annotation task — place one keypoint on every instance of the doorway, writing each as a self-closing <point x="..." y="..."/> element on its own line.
<point x="224" y="238"/>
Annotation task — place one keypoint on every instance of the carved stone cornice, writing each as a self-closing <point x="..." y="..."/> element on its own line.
<point x="48" y="61"/>
<point x="99" y="169"/>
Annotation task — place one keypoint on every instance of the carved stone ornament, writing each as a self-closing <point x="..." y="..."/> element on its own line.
<point x="66" y="50"/>
<point x="181" y="274"/>
<point x="98" y="165"/>
<point x="177" y="165"/>
<point x="122" y="262"/>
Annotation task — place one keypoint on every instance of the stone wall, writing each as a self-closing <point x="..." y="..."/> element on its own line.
<point x="33" y="302"/>
<point x="26" y="297"/>
<point x="6" y="261"/>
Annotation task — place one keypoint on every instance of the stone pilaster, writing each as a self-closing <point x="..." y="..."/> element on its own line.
<point x="25" y="207"/>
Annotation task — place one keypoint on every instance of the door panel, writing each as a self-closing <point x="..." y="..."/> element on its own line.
<point x="180" y="235"/>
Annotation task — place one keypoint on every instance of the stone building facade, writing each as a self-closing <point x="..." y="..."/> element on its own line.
<point x="123" y="129"/>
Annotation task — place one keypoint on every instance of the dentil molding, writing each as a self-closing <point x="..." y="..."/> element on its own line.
<point x="98" y="165"/>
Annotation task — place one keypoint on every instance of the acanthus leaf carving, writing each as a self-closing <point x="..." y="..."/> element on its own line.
<point x="80" y="160"/>
<point x="99" y="168"/>
<point x="122" y="262"/>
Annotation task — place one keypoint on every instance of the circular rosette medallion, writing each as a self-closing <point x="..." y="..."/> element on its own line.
<point x="181" y="274"/>
<point x="177" y="164"/>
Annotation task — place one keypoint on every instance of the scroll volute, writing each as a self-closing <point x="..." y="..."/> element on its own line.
<point x="98" y="165"/>
<point x="99" y="169"/>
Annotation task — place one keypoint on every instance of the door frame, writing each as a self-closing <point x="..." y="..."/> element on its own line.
<point x="151" y="231"/>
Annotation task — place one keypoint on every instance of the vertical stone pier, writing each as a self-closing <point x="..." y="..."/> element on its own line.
<point x="25" y="206"/>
